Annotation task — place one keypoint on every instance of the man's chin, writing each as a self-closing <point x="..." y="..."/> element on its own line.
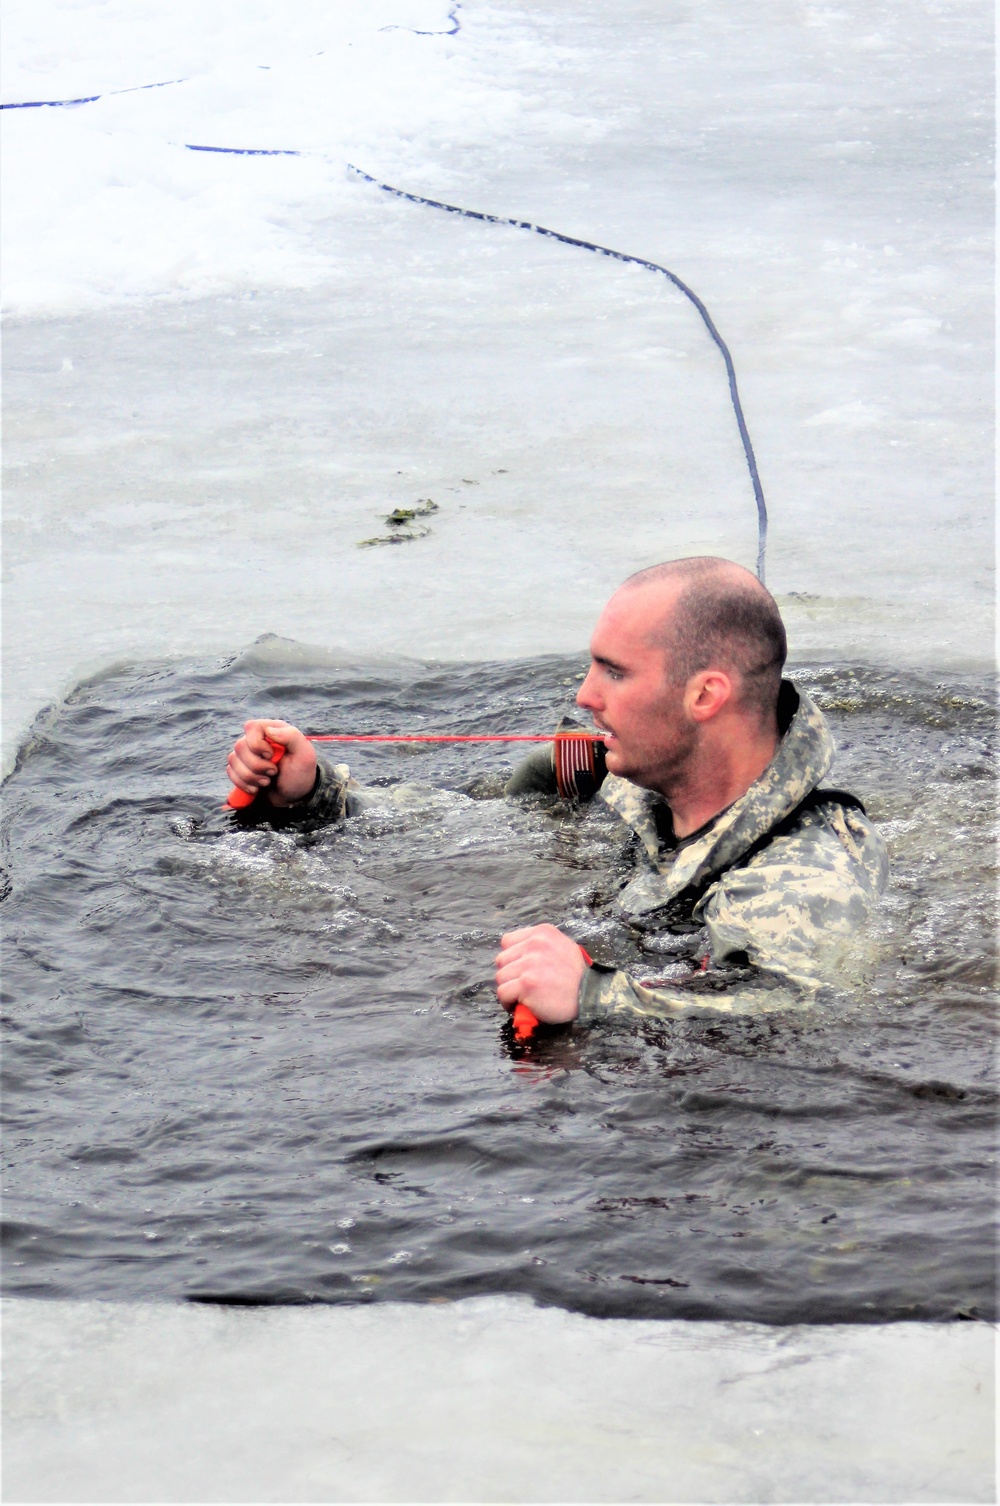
<point x="616" y="764"/>
<point x="619" y="765"/>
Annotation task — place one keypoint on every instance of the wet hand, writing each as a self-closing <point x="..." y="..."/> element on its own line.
<point x="541" y="967"/>
<point x="251" y="767"/>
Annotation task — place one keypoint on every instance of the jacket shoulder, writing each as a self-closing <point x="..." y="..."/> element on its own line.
<point x="805" y="894"/>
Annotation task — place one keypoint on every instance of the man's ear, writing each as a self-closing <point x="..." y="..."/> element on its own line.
<point x="706" y="693"/>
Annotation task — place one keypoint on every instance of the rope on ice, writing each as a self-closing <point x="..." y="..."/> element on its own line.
<point x="638" y="261"/>
<point x="246" y="151"/>
<point x="491" y="219"/>
<point x="89" y="99"/>
<point x="456" y="26"/>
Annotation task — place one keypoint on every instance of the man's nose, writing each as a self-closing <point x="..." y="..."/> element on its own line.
<point x="586" y="696"/>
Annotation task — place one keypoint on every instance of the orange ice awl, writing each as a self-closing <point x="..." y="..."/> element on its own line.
<point x="525" y="1023"/>
<point x="239" y="799"/>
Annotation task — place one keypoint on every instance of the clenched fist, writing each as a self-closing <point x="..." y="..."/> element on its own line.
<point x="541" y="967"/>
<point x="251" y="768"/>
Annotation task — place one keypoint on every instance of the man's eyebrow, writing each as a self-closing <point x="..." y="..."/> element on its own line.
<point x="607" y="663"/>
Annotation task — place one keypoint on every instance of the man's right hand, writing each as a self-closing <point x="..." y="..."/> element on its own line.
<point x="251" y="768"/>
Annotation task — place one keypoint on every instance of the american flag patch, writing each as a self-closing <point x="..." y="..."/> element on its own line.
<point x="574" y="754"/>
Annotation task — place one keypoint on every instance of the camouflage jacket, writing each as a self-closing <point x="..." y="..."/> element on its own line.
<point x="758" y="909"/>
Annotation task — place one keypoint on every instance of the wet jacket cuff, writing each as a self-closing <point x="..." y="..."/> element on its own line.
<point x="327" y="800"/>
<point x="594" y="1001"/>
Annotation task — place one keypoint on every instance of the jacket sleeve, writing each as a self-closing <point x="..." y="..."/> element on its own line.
<point x="777" y="931"/>
<point x="535" y="774"/>
<point x="607" y="992"/>
<point x="331" y="798"/>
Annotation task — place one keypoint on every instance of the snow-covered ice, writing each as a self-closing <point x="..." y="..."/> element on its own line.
<point x="107" y="204"/>
<point x="489" y="1399"/>
<point x="222" y="371"/>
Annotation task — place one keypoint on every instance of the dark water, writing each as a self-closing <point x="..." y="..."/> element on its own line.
<point x="266" y="1065"/>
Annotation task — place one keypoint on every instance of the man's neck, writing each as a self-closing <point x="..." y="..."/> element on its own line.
<point x="716" y="776"/>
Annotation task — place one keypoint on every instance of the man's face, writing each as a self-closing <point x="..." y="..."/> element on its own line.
<point x="649" y="737"/>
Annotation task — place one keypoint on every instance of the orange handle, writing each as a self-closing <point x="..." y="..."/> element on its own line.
<point x="239" y="799"/>
<point x="524" y="1022"/>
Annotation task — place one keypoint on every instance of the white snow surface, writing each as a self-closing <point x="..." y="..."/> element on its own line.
<point x="105" y="203"/>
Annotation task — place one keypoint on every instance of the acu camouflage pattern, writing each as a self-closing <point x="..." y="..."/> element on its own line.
<point x="775" y="919"/>
<point x="333" y="796"/>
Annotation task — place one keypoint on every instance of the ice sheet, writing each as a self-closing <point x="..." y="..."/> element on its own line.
<point x="223" y="371"/>
<point x="486" y="1400"/>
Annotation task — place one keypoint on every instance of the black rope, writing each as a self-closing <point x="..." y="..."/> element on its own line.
<point x="638" y="261"/>
<point x="244" y="151"/>
<point x="89" y="99"/>
<point x="50" y="104"/>
<point x="454" y="29"/>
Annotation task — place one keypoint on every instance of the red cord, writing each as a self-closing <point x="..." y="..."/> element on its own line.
<point x="525" y="1023"/>
<point x="450" y="737"/>
<point x="240" y="799"/>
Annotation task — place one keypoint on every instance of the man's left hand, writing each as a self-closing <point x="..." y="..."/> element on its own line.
<point x="541" y="967"/>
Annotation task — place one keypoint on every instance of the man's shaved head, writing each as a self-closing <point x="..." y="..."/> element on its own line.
<point x="709" y="613"/>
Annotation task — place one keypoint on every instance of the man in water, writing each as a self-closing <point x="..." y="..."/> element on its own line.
<point x="753" y="880"/>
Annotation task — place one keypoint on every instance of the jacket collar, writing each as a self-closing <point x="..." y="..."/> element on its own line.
<point x="801" y="759"/>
